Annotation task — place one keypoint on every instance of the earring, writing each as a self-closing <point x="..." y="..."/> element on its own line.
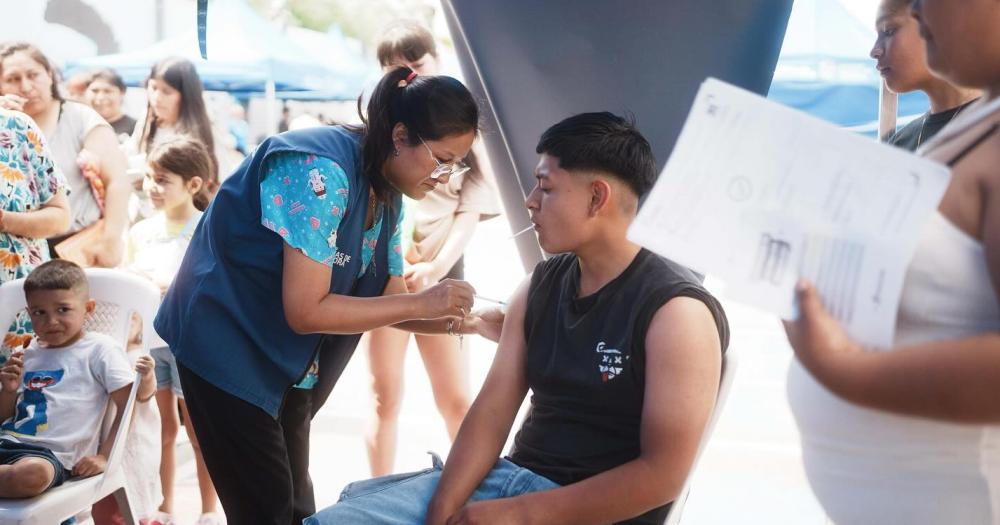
<point x="395" y="152"/>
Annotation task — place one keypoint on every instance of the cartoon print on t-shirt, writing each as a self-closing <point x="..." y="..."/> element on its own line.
<point x="30" y="417"/>
<point x="612" y="362"/>
<point x="317" y="182"/>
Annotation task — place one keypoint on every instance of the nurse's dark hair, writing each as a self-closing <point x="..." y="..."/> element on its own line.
<point x="602" y="142"/>
<point x="431" y="107"/>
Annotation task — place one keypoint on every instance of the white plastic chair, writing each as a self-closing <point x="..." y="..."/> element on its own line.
<point x="729" y="365"/>
<point x="118" y="295"/>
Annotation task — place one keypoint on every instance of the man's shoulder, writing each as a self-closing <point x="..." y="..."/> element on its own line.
<point x="655" y="271"/>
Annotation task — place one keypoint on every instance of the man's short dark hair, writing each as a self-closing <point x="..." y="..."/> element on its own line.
<point x="602" y="142"/>
<point x="56" y="274"/>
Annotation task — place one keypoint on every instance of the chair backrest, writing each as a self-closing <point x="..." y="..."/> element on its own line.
<point x="729" y="365"/>
<point x="118" y="294"/>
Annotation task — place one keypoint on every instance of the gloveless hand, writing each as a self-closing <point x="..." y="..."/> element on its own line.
<point x="10" y="374"/>
<point x="817" y="338"/>
<point x="448" y="298"/>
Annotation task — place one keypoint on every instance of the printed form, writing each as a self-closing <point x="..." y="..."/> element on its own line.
<point x="757" y="195"/>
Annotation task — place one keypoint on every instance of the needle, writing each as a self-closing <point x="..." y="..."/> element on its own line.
<point x="522" y="231"/>
<point x="489" y="300"/>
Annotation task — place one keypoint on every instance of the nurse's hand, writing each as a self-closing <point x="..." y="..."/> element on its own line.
<point x="817" y="338"/>
<point x="448" y="298"/>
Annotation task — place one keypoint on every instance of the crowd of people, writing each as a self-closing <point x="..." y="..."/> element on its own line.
<point x="271" y="276"/>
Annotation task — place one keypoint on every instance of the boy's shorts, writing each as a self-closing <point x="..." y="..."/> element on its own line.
<point x="166" y="370"/>
<point x="12" y="451"/>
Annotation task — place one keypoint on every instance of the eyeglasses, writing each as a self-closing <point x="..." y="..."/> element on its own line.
<point x="451" y="169"/>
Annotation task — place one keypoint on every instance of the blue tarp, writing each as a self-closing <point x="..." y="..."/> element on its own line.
<point x="244" y="53"/>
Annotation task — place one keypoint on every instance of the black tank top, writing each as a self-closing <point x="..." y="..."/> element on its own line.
<point x="586" y="362"/>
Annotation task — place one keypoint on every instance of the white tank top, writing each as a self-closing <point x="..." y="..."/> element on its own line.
<point x="869" y="466"/>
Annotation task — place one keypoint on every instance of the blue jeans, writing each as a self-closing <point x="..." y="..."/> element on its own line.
<point x="402" y="499"/>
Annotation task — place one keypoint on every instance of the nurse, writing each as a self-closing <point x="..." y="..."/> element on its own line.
<point x="297" y="255"/>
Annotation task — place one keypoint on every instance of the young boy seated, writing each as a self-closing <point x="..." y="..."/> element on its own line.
<point x="54" y="393"/>
<point x="594" y="333"/>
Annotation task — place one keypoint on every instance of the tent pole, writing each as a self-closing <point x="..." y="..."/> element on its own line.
<point x="888" y="107"/>
<point x="271" y="105"/>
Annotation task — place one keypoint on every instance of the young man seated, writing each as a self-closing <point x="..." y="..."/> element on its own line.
<point x="53" y="395"/>
<point x="594" y="333"/>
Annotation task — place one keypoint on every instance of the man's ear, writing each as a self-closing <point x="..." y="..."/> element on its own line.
<point x="600" y="195"/>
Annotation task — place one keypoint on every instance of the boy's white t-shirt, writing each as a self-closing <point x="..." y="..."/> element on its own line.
<point x="64" y="393"/>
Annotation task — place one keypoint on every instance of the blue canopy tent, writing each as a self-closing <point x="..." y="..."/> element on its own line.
<point x="246" y="55"/>
<point x="824" y="68"/>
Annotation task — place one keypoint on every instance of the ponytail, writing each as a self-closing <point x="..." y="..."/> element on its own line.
<point x="431" y="107"/>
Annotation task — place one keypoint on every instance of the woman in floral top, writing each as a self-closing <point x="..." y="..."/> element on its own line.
<point x="33" y="206"/>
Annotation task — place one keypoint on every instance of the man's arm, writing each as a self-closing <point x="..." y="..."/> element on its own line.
<point x="683" y="363"/>
<point x="487" y="424"/>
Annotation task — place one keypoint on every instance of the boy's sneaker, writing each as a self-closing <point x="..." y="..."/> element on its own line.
<point x="162" y="518"/>
<point x="210" y="518"/>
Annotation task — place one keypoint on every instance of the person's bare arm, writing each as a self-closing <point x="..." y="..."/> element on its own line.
<point x="51" y="219"/>
<point x="102" y="142"/>
<point x="488" y="422"/>
<point x="145" y="366"/>
<point x="422" y="274"/>
<point x="472" y="323"/>
<point x="93" y="465"/>
<point x="10" y="381"/>
<point x="310" y="308"/>
<point x="683" y="363"/>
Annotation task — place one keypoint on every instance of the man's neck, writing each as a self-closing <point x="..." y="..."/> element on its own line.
<point x="602" y="260"/>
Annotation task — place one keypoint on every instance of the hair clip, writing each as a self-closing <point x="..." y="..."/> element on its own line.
<point x="409" y="78"/>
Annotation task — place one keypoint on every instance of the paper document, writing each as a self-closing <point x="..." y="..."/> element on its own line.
<point x="757" y="195"/>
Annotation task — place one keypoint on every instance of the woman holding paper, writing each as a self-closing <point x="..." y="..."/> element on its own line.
<point x="917" y="439"/>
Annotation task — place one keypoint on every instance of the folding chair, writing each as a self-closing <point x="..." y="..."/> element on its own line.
<point x="118" y="295"/>
<point x="729" y="365"/>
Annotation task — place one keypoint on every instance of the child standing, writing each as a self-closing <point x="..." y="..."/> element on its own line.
<point x="55" y="392"/>
<point x="177" y="172"/>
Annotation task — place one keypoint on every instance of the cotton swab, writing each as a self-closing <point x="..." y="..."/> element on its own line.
<point x="522" y="231"/>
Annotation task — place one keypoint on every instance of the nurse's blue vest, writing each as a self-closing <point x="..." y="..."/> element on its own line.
<point x="223" y="316"/>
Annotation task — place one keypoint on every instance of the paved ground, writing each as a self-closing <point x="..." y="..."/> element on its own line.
<point x="750" y="472"/>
